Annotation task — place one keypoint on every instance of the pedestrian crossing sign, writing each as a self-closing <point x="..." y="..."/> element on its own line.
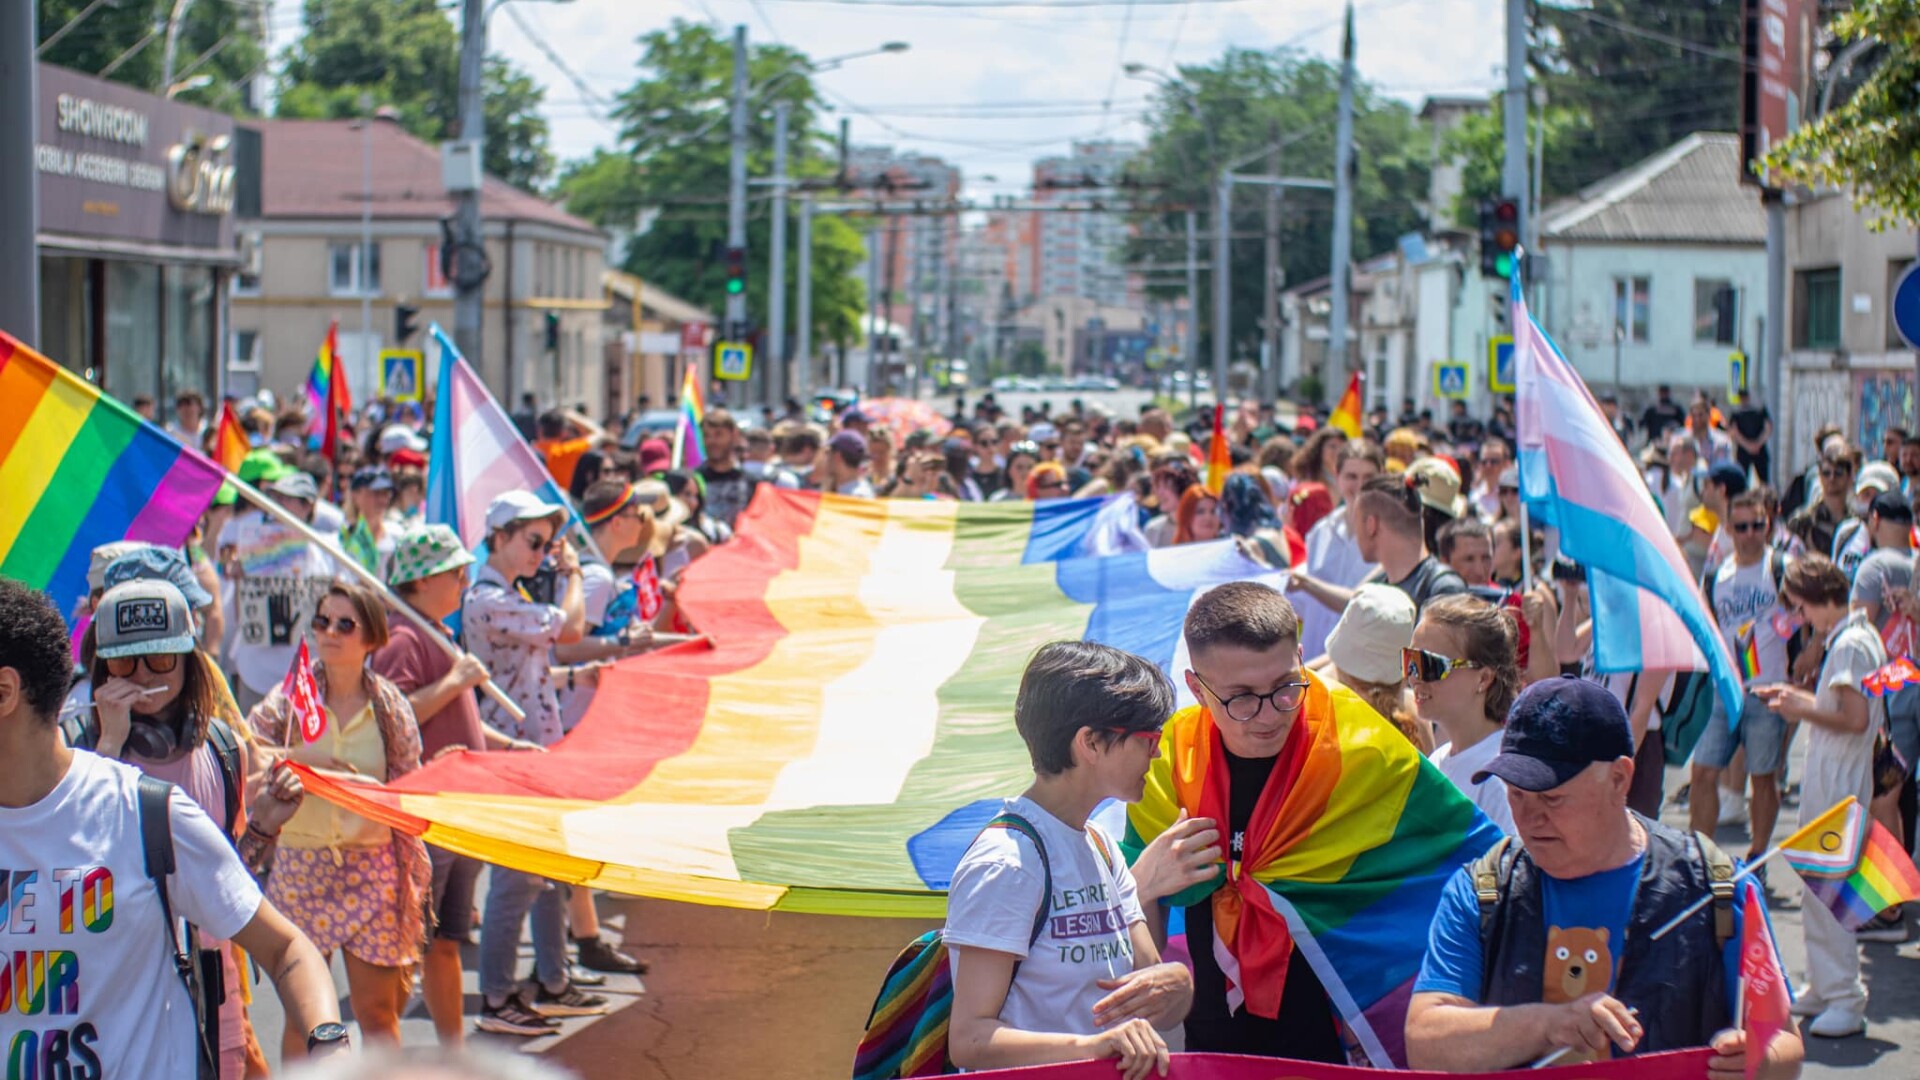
<point x="732" y="360"/>
<point x="1450" y="380"/>
<point x="1500" y="364"/>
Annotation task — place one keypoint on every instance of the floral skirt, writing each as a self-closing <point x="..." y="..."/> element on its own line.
<point x="350" y="901"/>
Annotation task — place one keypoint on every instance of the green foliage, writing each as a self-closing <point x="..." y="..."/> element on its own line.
<point x="1479" y="142"/>
<point x="1234" y="107"/>
<point x="1871" y="143"/>
<point x="405" y="54"/>
<point x="224" y="34"/>
<point x="669" y="175"/>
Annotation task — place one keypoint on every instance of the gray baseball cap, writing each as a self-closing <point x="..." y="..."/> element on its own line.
<point x="142" y="618"/>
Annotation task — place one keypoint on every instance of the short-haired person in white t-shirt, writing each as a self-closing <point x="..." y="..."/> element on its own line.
<point x="111" y="1002"/>
<point x="1091" y="984"/>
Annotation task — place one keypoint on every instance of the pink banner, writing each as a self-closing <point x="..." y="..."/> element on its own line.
<point x="1677" y="1065"/>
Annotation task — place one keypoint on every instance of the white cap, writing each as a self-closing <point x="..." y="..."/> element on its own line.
<point x="519" y="506"/>
<point x="1876" y="474"/>
<point x="396" y="437"/>
<point x="1043" y="432"/>
<point x="1367" y="640"/>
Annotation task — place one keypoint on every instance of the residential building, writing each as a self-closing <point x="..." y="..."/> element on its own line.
<point x="1080" y="246"/>
<point x="914" y="240"/>
<point x="651" y="335"/>
<point x="542" y="330"/>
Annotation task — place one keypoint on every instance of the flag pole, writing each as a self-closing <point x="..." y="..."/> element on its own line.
<point x="405" y="610"/>
<point x="1753" y="864"/>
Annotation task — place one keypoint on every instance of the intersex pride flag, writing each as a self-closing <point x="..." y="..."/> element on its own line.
<point x="1676" y="1065"/>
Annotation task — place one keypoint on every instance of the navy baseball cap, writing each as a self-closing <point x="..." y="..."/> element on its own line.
<point x="1557" y="728"/>
<point x="1891" y="506"/>
<point x="1729" y="476"/>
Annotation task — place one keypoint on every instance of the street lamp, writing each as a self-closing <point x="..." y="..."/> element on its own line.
<point x="195" y="82"/>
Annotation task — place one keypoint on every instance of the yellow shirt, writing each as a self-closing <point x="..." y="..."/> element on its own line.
<point x="321" y="824"/>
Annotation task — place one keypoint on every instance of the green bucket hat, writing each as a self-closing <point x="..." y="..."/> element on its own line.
<point x="424" y="552"/>
<point x="262" y="467"/>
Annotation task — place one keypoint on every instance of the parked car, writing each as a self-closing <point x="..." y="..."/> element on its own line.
<point x="654" y="423"/>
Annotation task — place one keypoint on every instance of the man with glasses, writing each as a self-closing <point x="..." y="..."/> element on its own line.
<point x="1493" y="459"/>
<point x="1815" y="525"/>
<point x="1744" y="593"/>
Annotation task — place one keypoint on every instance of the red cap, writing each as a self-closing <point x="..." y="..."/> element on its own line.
<point x="406" y="459"/>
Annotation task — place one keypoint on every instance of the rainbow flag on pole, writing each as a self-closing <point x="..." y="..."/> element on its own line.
<point x="1346" y="415"/>
<point x="320" y="381"/>
<point x="1852" y="864"/>
<point x="689" y="446"/>
<point x="80" y="469"/>
<point x="850" y="728"/>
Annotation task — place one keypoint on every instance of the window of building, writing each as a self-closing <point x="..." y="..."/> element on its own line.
<point x="246" y="351"/>
<point x="432" y="281"/>
<point x="350" y="273"/>
<point x="1896" y="268"/>
<point x="1716" y="311"/>
<point x="1816" y="308"/>
<point x="1632" y="309"/>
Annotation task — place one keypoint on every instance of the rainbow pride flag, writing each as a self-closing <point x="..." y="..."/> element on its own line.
<point x="230" y="445"/>
<point x="849" y="730"/>
<point x="1748" y="653"/>
<point x="320" y="381"/>
<point x="1346" y="415"/>
<point x="689" y="446"/>
<point x="1852" y="864"/>
<point x="80" y="469"/>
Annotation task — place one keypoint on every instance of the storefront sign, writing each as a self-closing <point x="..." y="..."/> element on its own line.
<point x="123" y="165"/>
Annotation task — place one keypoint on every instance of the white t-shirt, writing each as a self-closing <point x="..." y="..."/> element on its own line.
<point x="1333" y="556"/>
<point x="269" y="613"/>
<point x="1839" y="763"/>
<point x="996" y="893"/>
<point x="81" y="903"/>
<point x="1490" y="796"/>
<point x="1746" y="603"/>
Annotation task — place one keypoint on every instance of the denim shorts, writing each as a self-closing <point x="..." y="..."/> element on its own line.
<point x="1762" y="732"/>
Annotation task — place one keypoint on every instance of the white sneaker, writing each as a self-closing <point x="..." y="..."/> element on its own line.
<point x="1839" y="1022"/>
<point x="1733" y="808"/>
<point x="1806" y="1003"/>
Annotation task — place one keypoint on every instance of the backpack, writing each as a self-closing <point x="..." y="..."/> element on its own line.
<point x="83" y="733"/>
<point x="1492" y="870"/>
<point x="1777" y="573"/>
<point x="906" y="1033"/>
<point x="205" y="980"/>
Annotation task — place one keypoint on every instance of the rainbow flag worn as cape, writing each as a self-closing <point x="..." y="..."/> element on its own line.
<point x="80" y="469"/>
<point x="1346" y="415"/>
<point x="1347" y="852"/>
<point x="849" y="729"/>
<point x="1852" y="864"/>
<point x="689" y="446"/>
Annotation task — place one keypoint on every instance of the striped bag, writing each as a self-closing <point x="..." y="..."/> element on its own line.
<point x="906" y="1033"/>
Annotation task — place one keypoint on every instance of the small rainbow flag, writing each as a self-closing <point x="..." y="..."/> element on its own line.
<point x="1219" y="453"/>
<point x="320" y="380"/>
<point x="689" y="446"/>
<point x="230" y="445"/>
<point x="80" y="469"/>
<point x="1748" y="653"/>
<point x="1346" y="415"/>
<point x="1852" y="864"/>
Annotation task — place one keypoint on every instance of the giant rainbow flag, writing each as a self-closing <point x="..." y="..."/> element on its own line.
<point x="851" y="727"/>
<point x="79" y="469"/>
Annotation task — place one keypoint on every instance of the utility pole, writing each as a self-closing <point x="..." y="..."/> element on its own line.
<point x="1270" y="296"/>
<point x="172" y="46"/>
<point x="1337" y="360"/>
<point x="1513" y="171"/>
<point x="1193" y="314"/>
<point x="1222" y="278"/>
<point x="873" y="302"/>
<point x="19" y="182"/>
<point x="893" y="250"/>
<point x="1775" y="341"/>
<point x="737" y="180"/>
<point x="803" y="302"/>
<point x="363" y="274"/>
<point x="776" y="381"/>
<point x="468" y="299"/>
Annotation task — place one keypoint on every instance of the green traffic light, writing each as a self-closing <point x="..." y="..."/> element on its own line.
<point x="735" y="287"/>
<point x="1503" y="263"/>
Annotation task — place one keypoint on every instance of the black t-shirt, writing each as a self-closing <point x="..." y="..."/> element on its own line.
<point x="1750" y="420"/>
<point x="1465" y="429"/>
<point x="729" y="490"/>
<point x="1305" y="1028"/>
<point x="1661" y="417"/>
<point x="1429" y="580"/>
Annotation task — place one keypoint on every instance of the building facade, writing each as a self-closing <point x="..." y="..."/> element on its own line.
<point x="1079" y="248"/>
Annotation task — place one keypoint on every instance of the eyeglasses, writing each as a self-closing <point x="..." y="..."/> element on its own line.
<point x="536" y="541"/>
<point x="1423" y="666"/>
<point x="1049" y="485"/>
<point x="343" y="626"/>
<point x="121" y="667"/>
<point x="1744" y="527"/>
<point x="1149" y="736"/>
<point x="1835" y="470"/>
<point x="1506" y="489"/>
<point x="1242" y="708"/>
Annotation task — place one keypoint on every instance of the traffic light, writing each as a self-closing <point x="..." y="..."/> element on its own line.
<point x="406" y="323"/>
<point x="736" y="271"/>
<point x="1499" y="236"/>
<point x="553" y="331"/>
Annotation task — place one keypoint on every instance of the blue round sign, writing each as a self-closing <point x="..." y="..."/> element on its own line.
<point x="1906" y="306"/>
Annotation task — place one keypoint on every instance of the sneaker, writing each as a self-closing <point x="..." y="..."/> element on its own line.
<point x="1806" y="1003"/>
<point x="581" y="976"/>
<point x="599" y="954"/>
<point x="514" y="1018"/>
<point x="1839" y="1022"/>
<point x="1733" y="808"/>
<point x="572" y="1001"/>
<point x="1889" y="927"/>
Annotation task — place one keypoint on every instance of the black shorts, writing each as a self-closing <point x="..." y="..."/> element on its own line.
<point x="454" y="877"/>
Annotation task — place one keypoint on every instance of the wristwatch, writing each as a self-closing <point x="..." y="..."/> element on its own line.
<point x="327" y="1038"/>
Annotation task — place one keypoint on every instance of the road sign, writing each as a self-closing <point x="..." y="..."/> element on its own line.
<point x="1500" y="364"/>
<point x="732" y="360"/>
<point x="1737" y="374"/>
<point x="1906" y="306"/>
<point x="693" y="337"/>
<point x="401" y="373"/>
<point x="1450" y="379"/>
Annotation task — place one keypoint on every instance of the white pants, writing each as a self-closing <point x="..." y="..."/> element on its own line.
<point x="1833" y="955"/>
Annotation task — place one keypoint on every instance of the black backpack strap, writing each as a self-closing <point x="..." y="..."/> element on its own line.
<point x="156" y="845"/>
<point x="81" y="732"/>
<point x="226" y="751"/>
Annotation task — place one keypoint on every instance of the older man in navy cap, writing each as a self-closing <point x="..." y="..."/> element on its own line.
<point x="1545" y="946"/>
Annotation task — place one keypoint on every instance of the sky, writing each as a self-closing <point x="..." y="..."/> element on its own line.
<point x="992" y="89"/>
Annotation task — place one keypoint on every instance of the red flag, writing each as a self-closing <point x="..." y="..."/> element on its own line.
<point x="1763" y="990"/>
<point x="648" y="596"/>
<point x="304" y="695"/>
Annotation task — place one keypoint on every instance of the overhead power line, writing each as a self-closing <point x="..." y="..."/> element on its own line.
<point x="962" y="5"/>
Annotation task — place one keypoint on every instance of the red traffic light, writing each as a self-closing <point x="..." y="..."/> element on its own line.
<point x="1506" y="211"/>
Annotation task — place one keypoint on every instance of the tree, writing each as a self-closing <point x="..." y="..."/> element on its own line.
<point x="667" y="181"/>
<point x="1871" y="143"/>
<point x="405" y="54"/>
<point x="216" y="38"/>
<point x="1479" y="144"/>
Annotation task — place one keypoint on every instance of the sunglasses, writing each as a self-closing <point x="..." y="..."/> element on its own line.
<point x="1049" y="485"/>
<point x="1423" y="666"/>
<point x="342" y="626"/>
<point x="537" y="542"/>
<point x="1835" y="470"/>
<point x="121" y="667"/>
<point x="1242" y="708"/>
<point x="1744" y="527"/>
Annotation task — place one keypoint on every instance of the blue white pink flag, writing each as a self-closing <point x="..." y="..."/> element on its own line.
<point x="1648" y="613"/>
<point x="476" y="454"/>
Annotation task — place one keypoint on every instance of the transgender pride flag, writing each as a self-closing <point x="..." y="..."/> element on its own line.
<point x="476" y="454"/>
<point x="1648" y="614"/>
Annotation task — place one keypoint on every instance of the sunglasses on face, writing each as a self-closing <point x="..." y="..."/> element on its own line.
<point x="537" y="542"/>
<point x="1835" y="470"/>
<point x="1423" y="666"/>
<point x="1242" y="708"/>
<point x="342" y="626"/>
<point x="1744" y="527"/>
<point x="121" y="667"/>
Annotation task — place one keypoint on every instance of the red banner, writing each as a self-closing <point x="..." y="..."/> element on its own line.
<point x="1677" y="1065"/>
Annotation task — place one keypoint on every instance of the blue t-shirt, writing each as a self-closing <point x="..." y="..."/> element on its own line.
<point x="1587" y="923"/>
